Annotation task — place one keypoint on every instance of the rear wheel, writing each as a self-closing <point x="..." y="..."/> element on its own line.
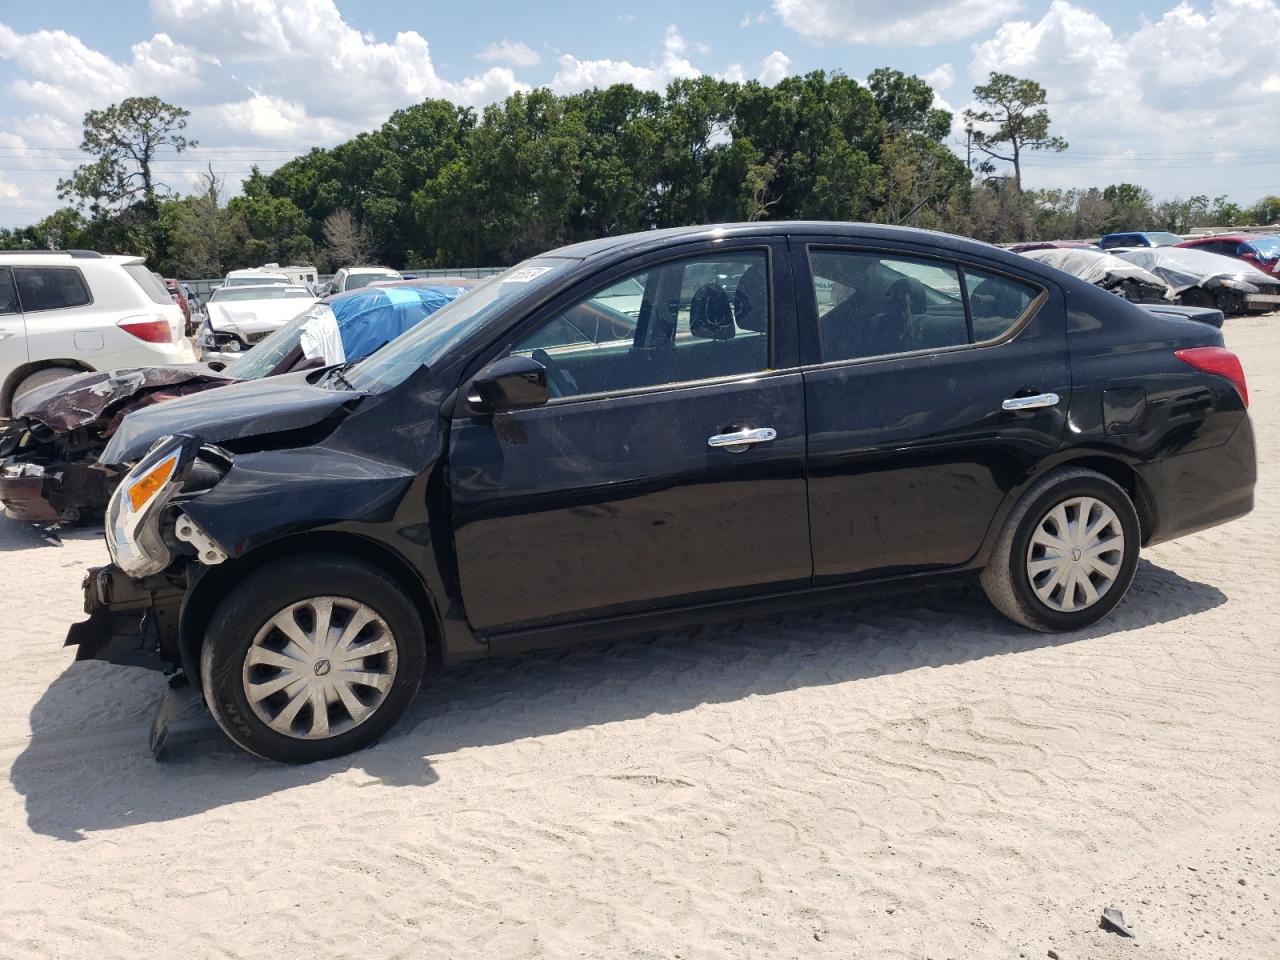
<point x="1067" y="554"/>
<point x="312" y="657"/>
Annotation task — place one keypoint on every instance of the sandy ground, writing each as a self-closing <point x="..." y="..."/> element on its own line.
<point x="912" y="778"/>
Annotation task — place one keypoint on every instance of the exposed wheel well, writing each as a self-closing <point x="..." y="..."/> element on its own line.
<point x="1129" y="481"/>
<point x="201" y="602"/>
<point x="21" y="373"/>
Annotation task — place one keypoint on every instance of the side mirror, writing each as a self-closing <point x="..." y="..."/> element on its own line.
<point x="512" y="383"/>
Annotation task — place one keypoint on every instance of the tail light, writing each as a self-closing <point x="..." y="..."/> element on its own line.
<point x="1217" y="360"/>
<point x="152" y="329"/>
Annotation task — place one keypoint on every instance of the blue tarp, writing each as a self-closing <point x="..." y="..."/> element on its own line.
<point x="371" y="316"/>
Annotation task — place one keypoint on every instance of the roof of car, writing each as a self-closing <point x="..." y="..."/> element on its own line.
<point x="273" y="287"/>
<point x="62" y="256"/>
<point x="1209" y="238"/>
<point x="638" y="242"/>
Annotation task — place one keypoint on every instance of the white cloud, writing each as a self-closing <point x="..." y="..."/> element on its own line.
<point x="513" y="52"/>
<point x="305" y="50"/>
<point x="748" y="20"/>
<point x="915" y="23"/>
<point x="940" y="77"/>
<point x="774" y="67"/>
<point x="1180" y="92"/>
<point x="575" y="74"/>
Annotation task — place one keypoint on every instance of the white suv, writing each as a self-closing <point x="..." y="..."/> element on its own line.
<point x="353" y="278"/>
<point x="62" y="312"/>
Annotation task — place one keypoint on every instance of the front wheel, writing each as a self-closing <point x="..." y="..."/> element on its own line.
<point x="312" y="657"/>
<point x="1067" y="554"/>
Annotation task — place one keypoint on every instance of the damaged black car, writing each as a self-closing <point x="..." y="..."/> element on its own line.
<point x="645" y="431"/>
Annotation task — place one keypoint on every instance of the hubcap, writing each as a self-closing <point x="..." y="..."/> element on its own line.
<point x="320" y="667"/>
<point x="1075" y="554"/>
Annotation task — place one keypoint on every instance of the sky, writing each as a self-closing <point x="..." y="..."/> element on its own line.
<point x="1181" y="97"/>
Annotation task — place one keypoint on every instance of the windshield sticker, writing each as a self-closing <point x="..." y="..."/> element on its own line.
<point x="525" y="274"/>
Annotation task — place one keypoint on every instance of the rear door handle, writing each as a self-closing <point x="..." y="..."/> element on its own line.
<point x="1034" y="402"/>
<point x="739" y="440"/>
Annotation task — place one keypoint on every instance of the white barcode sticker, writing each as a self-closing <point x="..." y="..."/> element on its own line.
<point x="525" y="274"/>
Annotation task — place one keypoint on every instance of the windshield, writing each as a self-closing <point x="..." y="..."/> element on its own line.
<point x="266" y="356"/>
<point x="357" y="280"/>
<point x="223" y="294"/>
<point x="1163" y="239"/>
<point x="427" y="342"/>
<point x="1268" y="248"/>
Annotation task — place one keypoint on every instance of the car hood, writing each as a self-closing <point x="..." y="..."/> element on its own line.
<point x="255" y="316"/>
<point x="1182" y="268"/>
<point x="79" y="400"/>
<point x="251" y="409"/>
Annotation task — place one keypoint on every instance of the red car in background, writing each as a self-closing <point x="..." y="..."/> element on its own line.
<point x="1261" y="251"/>
<point x="180" y="298"/>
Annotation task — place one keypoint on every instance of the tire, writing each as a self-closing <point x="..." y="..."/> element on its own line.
<point x="1198" y="297"/>
<point x="1021" y="562"/>
<point x="244" y="632"/>
<point x="39" y="379"/>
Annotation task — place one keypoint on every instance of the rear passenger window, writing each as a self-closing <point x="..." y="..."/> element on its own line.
<point x="872" y="305"/>
<point x="694" y="319"/>
<point x="50" y="288"/>
<point x="151" y="286"/>
<point x="996" y="303"/>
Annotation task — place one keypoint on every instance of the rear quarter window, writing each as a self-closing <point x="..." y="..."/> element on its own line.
<point x="144" y="278"/>
<point x="996" y="303"/>
<point x="50" y="288"/>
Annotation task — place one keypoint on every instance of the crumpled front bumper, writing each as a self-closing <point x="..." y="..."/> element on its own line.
<point x="53" y="492"/>
<point x="131" y="622"/>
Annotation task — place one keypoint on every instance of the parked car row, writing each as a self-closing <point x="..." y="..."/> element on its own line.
<point x="643" y="431"/>
<point x="1232" y="275"/>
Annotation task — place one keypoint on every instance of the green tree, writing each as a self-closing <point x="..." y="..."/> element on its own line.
<point x="1131" y="207"/>
<point x="204" y="235"/>
<point x="906" y="105"/>
<point x="275" y="228"/>
<point x="124" y="139"/>
<point x="1008" y="123"/>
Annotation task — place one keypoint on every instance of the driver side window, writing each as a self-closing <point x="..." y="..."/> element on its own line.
<point x="695" y="319"/>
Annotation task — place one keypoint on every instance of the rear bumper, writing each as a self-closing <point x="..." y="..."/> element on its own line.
<point x="1202" y="489"/>
<point x="129" y="623"/>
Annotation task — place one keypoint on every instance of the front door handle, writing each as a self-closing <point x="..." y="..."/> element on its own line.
<point x="739" y="440"/>
<point x="1034" y="402"/>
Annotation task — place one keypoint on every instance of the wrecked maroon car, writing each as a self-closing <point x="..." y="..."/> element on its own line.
<point x="49" y="470"/>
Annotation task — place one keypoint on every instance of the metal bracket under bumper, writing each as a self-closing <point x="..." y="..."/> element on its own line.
<point x="122" y="622"/>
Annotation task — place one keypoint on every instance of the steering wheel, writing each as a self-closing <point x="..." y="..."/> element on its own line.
<point x="561" y="381"/>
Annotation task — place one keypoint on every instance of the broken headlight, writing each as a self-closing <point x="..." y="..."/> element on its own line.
<point x="134" y="538"/>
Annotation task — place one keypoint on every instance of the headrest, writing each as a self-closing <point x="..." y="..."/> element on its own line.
<point x="993" y="298"/>
<point x="710" y="316"/>
<point x="751" y="300"/>
<point x="909" y="293"/>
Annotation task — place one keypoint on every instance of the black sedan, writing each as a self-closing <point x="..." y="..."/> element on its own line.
<point x="652" y="429"/>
